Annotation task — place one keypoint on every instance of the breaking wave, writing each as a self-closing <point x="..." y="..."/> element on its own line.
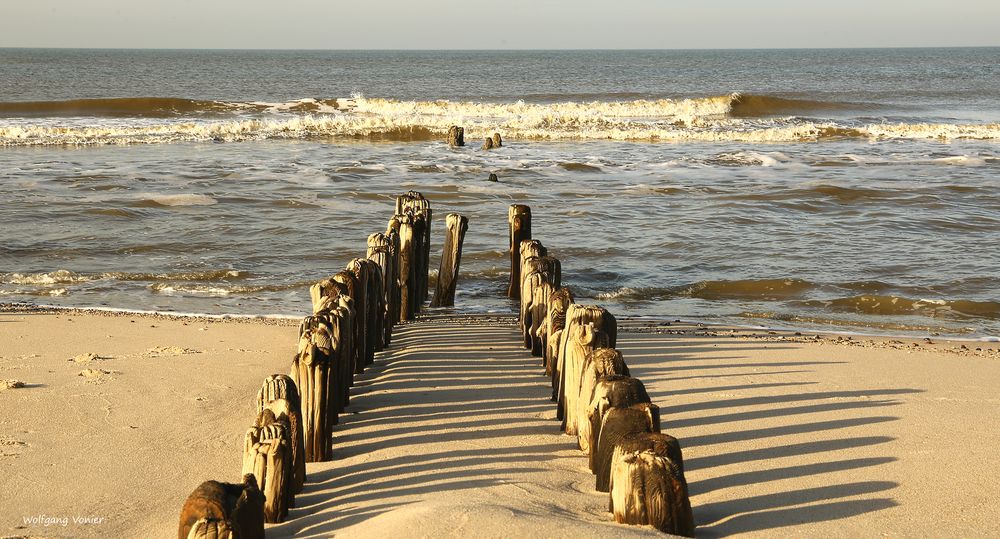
<point x="154" y="107"/>
<point x="63" y="276"/>
<point x="871" y="297"/>
<point x="732" y="117"/>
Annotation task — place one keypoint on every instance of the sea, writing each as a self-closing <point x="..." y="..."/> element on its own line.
<point x="839" y="190"/>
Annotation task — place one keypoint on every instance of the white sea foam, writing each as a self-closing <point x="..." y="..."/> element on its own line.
<point x="966" y="160"/>
<point x="46" y="278"/>
<point x="665" y="120"/>
<point x="186" y="199"/>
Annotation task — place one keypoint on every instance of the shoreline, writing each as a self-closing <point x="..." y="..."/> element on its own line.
<point x="654" y="324"/>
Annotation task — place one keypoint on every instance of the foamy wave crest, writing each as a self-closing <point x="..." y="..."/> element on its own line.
<point x="155" y="107"/>
<point x="63" y="276"/>
<point x="704" y="120"/>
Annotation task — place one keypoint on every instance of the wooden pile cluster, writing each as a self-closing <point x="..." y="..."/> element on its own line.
<point x="354" y="313"/>
<point x="610" y="413"/>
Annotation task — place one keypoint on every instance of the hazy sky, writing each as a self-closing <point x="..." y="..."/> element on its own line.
<point x="497" y="24"/>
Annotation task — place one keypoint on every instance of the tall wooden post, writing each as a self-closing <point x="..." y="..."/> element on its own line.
<point x="406" y="269"/>
<point x="456" y="136"/>
<point x="519" y="219"/>
<point x="417" y="261"/>
<point x="451" y="258"/>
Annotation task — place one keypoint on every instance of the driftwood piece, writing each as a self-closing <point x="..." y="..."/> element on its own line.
<point x="599" y="363"/>
<point x="407" y="271"/>
<point x="555" y="321"/>
<point x="381" y="252"/>
<point x="456" y="136"/>
<point x="488" y="144"/>
<point x="616" y="425"/>
<point x="648" y="488"/>
<point x="267" y="454"/>
<point x="519" y="221"/>
<point x="238" y="508"/>
<point x="497" y="141"/>
<point x="451" y="259"/>
<point x="279" y="394"/>
<point x="311" y="373"/>
<point x="569" y="373"/>
<point x="615" y="391"/>
<point x="492" y="178"/>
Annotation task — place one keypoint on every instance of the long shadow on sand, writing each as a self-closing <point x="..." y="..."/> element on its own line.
<point x="760" y="444"/>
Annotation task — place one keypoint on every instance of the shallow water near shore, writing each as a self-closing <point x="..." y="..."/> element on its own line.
<point x="851" y="206"/>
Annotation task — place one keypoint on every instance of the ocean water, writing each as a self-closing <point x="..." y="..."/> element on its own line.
<point x="837" y="189"/>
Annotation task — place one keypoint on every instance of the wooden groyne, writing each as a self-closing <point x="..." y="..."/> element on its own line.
<point x="616" y="425"/>
<point x="354" y="313"/>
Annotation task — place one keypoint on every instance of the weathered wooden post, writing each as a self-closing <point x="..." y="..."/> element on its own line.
<point x="353" y="289"/>
<point x="614" y="391"/>
<point x="569" y="373"/>
<point x="617" y="424"/>
<point x="584" y="339"/>
<point x="488" y="144"/>
<point x="311" y="373"/>
<point x="497" y="141"/>
<point x="598" y="364"/>
<point x="648" y="487"/>
<point x="216" y="507"/>
<point x="492" y="178"/>
<point x="555" y="322"/>
<point x="456" y="136"/>
<point x="279" y="394"/>
<point x="392" y="232"/>
<point x="519" y="220"/>
<point x="530" y="250"/>
<point x="451" y="259"/>
<point x="538" y="280"/>
<point x="363" y="270"/>
<point x="267" y="455"/>
<point x="380" y="252"/>
<point x="419" y="270"/>
<point x="407" y="271"/>
<point x="418" y="204"/>
<point x="344" y="351"/>
<point x="534" y="316"/>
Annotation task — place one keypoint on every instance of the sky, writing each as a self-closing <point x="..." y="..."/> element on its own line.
<point x="498" y="24"/>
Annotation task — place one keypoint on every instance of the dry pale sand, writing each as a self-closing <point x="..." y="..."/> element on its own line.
<point x="451" y="433"/>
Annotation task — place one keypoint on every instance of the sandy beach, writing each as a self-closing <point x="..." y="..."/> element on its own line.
<point x="451" y="432"/>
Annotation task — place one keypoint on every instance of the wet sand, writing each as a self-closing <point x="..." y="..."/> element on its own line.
<point x="451" y="431"/>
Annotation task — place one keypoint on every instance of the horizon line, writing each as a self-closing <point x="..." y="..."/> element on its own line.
<point x="894" y="47"/>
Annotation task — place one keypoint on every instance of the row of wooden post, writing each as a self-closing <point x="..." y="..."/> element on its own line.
<point x="616" y="425"/>
<point x="354" y="313"/>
